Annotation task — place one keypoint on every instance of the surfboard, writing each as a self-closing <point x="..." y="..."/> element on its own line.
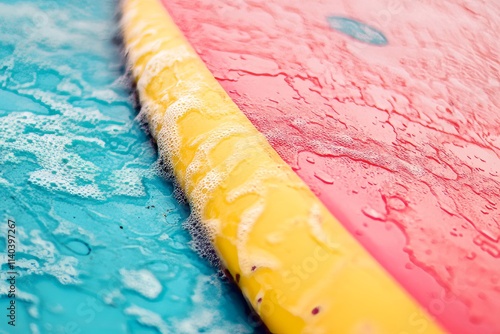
<point x="343" y="156"/>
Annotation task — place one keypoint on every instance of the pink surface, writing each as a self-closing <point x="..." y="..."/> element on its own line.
<point x="401" y="142"/>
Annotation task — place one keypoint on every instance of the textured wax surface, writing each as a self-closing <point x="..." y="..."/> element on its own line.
<point x="100" y="248"/>
<point x="389" y="111"/>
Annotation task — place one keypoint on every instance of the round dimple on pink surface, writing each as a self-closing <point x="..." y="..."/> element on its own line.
<point x="401" y="142"/>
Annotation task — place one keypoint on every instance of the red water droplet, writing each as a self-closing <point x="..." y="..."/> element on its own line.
<point x="322" y="176"/>
<point x="396" y="203"/>
<point x="489" y="234"/>
<point x="373" y="214"/>
<point x="471" y="255"/>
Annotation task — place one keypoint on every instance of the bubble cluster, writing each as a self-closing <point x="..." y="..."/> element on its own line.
<point x="203" y="235"/>
<point x="148" y="318"/>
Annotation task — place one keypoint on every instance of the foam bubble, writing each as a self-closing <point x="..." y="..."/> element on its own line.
<point x="205" y="315"/>
<point x="148" y="318"/>
<point x="34" y="329"/>
<point x="142" y="281"/>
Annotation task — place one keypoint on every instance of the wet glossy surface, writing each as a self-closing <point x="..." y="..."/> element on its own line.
<point x="100" y="247"/>
<point x="400" y="141"/>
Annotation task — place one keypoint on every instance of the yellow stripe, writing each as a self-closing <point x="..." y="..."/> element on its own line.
<point x="296" y="265"/>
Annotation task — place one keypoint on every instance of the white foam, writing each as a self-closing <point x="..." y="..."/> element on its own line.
<point x="69" y="87"/>
<point x="148" y="318"/>
<point x="113" y="296"/>
<point x="48" y="261"/>
<point x="141" y="281"/>
<point x="63" y="127"/>
<point x="205" y="315"/>
<point x="160" y="61"/>
<point x="316" y="224"/>
<point x="193" y="325"/>
<point x="34" y="328"/>
<point x="163" y="236"/>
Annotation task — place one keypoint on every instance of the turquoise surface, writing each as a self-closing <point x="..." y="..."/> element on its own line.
<point x="357" y="30"/>
<point x="100" y="246"/>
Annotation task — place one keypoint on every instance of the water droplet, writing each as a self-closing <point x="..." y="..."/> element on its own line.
<point x="490" y="235"/>
<point x="486" y="245"/>
<point x="320" y="175"/>
<point x="471" y="255"/>
<point x="447" y="209"/>
<point x="396" y="203"/>
<point x="374" y="214"/>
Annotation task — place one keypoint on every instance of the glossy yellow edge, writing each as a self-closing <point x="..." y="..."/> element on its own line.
<point x="294" y="262"/>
